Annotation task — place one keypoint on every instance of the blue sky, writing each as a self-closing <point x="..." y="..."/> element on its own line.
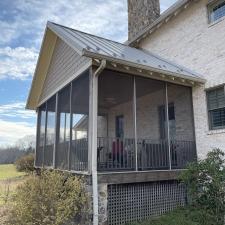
<point x="22" y="24"/>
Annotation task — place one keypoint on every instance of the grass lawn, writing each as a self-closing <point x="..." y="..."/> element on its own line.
<point x="9" y="180"/>
<point x="184" y="216"/>
<point x="8" y="171"/>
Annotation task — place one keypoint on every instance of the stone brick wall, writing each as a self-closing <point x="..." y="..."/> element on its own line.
<point x="189" y="40"/>
<point x="141" y="13"/>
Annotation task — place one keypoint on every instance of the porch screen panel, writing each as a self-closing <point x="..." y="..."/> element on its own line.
<point x="63" y="138"/>
<point x="80" y="115"/>
<point x="40" y="136"/>
<point x="115" y="122"/>
<point x="152" y="141"/>
<point x="50" y="132"/>
<point x="182" y="137"/>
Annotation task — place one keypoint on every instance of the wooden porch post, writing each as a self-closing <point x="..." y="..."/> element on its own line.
<point x="46" y="122"/>
<point x="37" y="134"/>
<point x="71" y="127"/>
<point x="135" y="124"/>
<point x="168" y="127"/>
<point x="92" y="140"/>
<point x="56" y="130"/>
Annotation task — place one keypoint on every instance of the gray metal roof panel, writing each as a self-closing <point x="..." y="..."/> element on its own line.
<point x="121" y="52"/>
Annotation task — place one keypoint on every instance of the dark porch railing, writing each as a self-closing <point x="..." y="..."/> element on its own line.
<point x="116" y="154"/>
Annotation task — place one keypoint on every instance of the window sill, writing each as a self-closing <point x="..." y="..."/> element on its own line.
<point x="211" y="24"/>
<point x="219" y="131"/>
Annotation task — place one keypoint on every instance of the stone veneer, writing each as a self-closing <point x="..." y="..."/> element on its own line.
<point x="141" y="13"/>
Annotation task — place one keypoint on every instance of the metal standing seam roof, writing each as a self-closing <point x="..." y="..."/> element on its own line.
<point x="93" y="46"/>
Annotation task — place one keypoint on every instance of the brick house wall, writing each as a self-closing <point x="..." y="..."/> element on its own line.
<point x="189" y="40"/>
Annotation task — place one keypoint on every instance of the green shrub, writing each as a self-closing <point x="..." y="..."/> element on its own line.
<point x="25" y="163"/>
<point x="53" y="198"/>
<point x="205" y="181"/>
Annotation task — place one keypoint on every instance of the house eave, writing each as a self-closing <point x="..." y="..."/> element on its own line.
<point x="138" y="69"/>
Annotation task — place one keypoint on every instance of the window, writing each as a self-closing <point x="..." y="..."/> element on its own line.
<point x="216" y="108"/>
<point x="119" y="126"/>
<point x="163" y="122"/>
<point x="216" y="10"/>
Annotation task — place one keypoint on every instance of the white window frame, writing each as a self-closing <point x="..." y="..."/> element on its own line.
<point x="212" y="6"/>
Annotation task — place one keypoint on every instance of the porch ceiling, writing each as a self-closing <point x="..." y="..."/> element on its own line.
<point x="109" y="98"/>
<point x="119" y="55"/>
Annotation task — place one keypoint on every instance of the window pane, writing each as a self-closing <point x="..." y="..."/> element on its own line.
<point x="216" y="98"/>
<point x="216" y="107"/>
<point x="151" y="124"/>
<point x="63" y="141"/>
<point x="50" y="132"/>
<point x="218" y="11"/>
<point x="40" y="136"/>
<point x="218" y="118"/>
<point x="115" y="122"/>
<point x="182" y="136"/>
<point x="80" y="114"/>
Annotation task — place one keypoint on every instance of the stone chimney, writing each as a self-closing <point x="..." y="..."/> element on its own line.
<point x="141" y="13"/>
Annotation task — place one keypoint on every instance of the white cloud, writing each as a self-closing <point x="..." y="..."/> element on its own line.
<point x="107" y="18"/>
<point x="10" y="132"/>
<point x="10" y="129"/>
<point x="16" y="110"/>
<point x="17" y="63"/>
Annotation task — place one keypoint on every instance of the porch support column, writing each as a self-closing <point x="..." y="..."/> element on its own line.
<point x="167" y="125"/>
<point x="71" y="127"/>
<point x="46" y="122"/>
<point x="135" y="124"/>
<point x="38" y="127"/>
<point x="92" y="140"/>
<point x="56" y="130"/>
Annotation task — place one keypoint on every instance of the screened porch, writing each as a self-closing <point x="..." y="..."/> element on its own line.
<point x="142" y="124"/>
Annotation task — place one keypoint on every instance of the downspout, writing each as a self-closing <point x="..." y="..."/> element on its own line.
<point x="94" y="156"/>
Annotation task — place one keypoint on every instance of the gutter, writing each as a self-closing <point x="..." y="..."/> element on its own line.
<point x="194" y="78"/>
<point x="94" y="161"/>
<point x="100" y="68"/>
